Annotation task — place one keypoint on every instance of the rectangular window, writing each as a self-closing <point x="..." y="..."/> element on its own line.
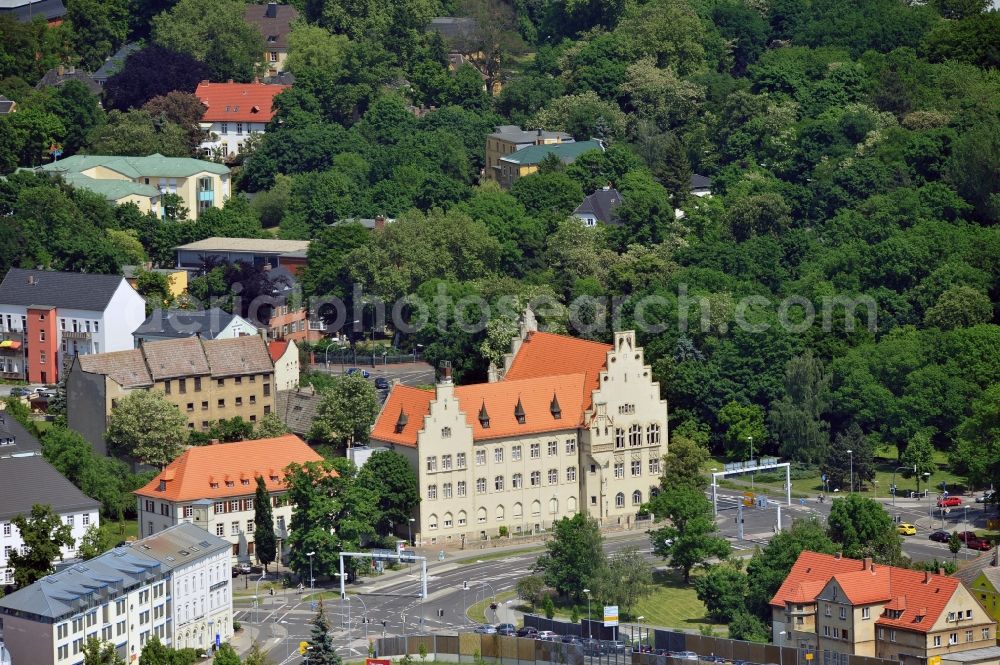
<point x="536" y="478"/>
<point x="892" y="635"/>
<point x="866" y="613"/>
<point x="515" y="453"/>
<point x="480" y="485"/>
<point x="432" y="491"/>
<point x="222" y="403"/>
<point x="249" y="526"/>
<point x="166" y="387"/>
<point x="197" y="384"/>
<point x="204" y="405"/>
<point x="570" y="446"/>
<point x="220" y="529"/>
<point x="571" y="474"/>
<point x="446" y="490"/>
<point x="654" y="466"/>
<point x="460" y="460"/>
<point x="986" y="633"/>
<point x="498" y="455"/>
<point x="480" y="457"/>
<point x="190" y="406"/>
<point x="182" y="386"/>
<point x="445" y="462"/>
<point x="553" y="476"/>
<point x="239" y="128"/>
<point x="432" y="463"/>
<point x="619" y="469"/>
<point x="843" y="612"/>
<point x="41" y="358"/>
<point x="239" y="401"/>
<point x="234" y="504"/>
<point x="224" y="128"/>
<point x="234" y="529"/>
<point x="461" y="488"/>
<point x="536" y="450"/>
<point x="636" y="467"/>
<point x="553" y="448"/>
<point x="968" y="636"/>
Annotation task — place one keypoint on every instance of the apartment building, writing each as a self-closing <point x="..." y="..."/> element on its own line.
<point x="199" y="184"/>
<point x="212" y="323"/>
<point x="27" y="479"/>
<point x="47" y="317"/>
<point x="234" y="112"/>
<point x="285" y="356"/>
<point x="213" y="487"/>
<point x="275" y="23"/>
<point x="207" y="380"/>
<point x="507" y="139"/>
<point x="566" y="426"/>
<point x="175" y="585"/>
<point x="527" y="160"/>
<point x="257" y="251"/>
<point x="840" y="607"/>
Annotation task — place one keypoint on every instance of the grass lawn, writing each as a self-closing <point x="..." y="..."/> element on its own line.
<point x="674" y="604"/>
<point x="497" y="555"/>
<point x="477" y="612"/>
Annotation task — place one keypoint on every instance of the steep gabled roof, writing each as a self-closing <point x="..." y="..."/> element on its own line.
<point x="811" y="567"/>
<point x="181" y="323"/>
<point x="274" y="28"/>
<point x="25" y="481"/>
<point x="602" y="204"/>
<point x="237" y="102"/>
<point x="191" y="476"/>
<point x="548" y="354"/>
<point x="68" y="290"/>
<point x="415" y="403"/>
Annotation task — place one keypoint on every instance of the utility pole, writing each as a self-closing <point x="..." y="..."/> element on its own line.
<point x="739" y="518"/>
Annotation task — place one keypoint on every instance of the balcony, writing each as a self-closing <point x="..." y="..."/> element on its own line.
<point x="76" y="334"/>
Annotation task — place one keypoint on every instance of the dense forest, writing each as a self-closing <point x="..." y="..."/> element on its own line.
<point x="853" y="146"/>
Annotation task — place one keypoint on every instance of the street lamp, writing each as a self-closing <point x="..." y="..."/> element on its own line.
<point x="894" y="480"/>
<point x="256" y="605"/>
<point x="409" y="531"/>
<point x="781" y="651"/>
<point x="589" y="619"/>
<point x="639" y="619"/>
<point x="750" y="439"/>
<point x="851" y="453"/>
<point x="312" y="580"/>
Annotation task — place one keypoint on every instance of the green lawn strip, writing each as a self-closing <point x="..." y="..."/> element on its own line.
<point x="477" y="612"/>
<point x="496" y="555"/>
<point x="674" y="604"/>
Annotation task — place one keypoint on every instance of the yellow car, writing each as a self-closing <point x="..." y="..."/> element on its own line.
<point x="906" y="529"/>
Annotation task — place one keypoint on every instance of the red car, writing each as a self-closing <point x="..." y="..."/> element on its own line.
<point x="980" y="544"/>
<point x="966" y="536"/>
<point x="949" y="502"/>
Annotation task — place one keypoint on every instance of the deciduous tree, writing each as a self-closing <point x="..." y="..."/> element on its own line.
<point x="691" y="536"/>
<point x="863" y="529"/>
<point x="144" y="425"/>
<point x="572" y="556"/>
<point x="348" y="410"/>
<point x="96" y="652"/>
<point x="44" y="535"/>
<point x="796" y="419"/>
<point x="391" y="478"/>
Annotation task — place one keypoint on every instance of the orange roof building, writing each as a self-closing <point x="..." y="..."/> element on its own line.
<point x="565" y="426"/>
<point x="213" y="487"/>
<point x="847" y="606"/>
<point x="234" y="112"/>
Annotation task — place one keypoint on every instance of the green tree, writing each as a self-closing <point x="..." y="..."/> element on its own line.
<point x="584" y="115"/>
<point x="977" y="452"/>
<point x="960" y="307"/>
<point x="974" y="165"/>
<point x="796" y="419"/>
<point x="98" y="28"/>
<point x="183" y="109"/>
<point x="683" y="463"/>
<point x="44" y="535"/>
<point x="144" y="425"/>
<point x="138" y="133"/>
<point x="321" y="649"/>
<point x="269" y="427"/>
<point x="530" y="588"/>
<point x="313" y="49"/>
<point x="691" y="537"/>
<point x="863" y="529"/>
<point x="80" y="112"/>
<point x="214" y="32"/>
<point x="390" y="477"/>
<point x="548" y="607"/>
<point x="28" y="135"/>
<point x="748" y="627"/>
<point x="96" y="652"/>
<point x="348" y="409"/>
<point x="954" y="544"/>
<point x="265" y="543"/>
<point x="226" y="655"/>
<point x="745" y="433"/>
<point x="256" y="656"/>
<point x="96" y="540"/>
<point x="624" y="579"/>
<point x="572" y="555"/>
<point x="838" y="465"/>
<point x="919" y="454"/>
<point x="723" y="588"/>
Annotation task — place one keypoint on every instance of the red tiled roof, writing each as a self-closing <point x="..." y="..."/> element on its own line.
<point x="190" y="476"/>
<point x="913" y="592"/>
<point x="414" y="403"/>
<point x="277" y="348"/>
<point x="237" y="102"/>
<point x="548" y="354"/>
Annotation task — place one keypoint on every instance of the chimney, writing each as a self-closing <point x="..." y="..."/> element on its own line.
<point x="866" y="563"/>
<point x="213" y="442"/>
<point x="941" y="572"/>
<point x="927" y="577"/>
<point x="379" y="222"/>
<point x="272" y="10"/>
<point x="446" y="372"/>
<point x="838" y="555"/>
<point x="32" y="280"/>
<point x="229" y="80"/>
<point x="61" y="70"/>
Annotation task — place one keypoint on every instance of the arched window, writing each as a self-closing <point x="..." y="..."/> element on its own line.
<point x="620" y="500"/>
<point x="432" y="521"/>
<point x="500" y="513"/>
<point x="636" y="498"/>
<point x="518" y="510"/>
<point x="536" y="507"/>
<point x="447" y="520"/>
<point x="462" y="520"/>
<point x="654" y="492"/>
<point x="553" y="505"/>
<point x="481" y="515"/>
<point x="571" y="504"/>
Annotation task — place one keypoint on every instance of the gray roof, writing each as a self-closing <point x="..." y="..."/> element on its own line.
<point x="70" y="290"/>
<point x="21" y="441"/>
<point x="970" y="570"/>
<point x="453" y="28"/>
<point x="297" y="408"/>
<point x="273" y="20"/>
<point x="6" y="105"/>
<point x="25" y="481"/>
<point x="28" y="10"/>
<point x="974" y="655"/>
<point x="53" y="79"/>
<point x="180" y="323"/>
<point x="91" y="583"/>
<point x="700" y="181"/>
<point x="114" y="64"/>
<point x="602" y="204"/>
<point x="515" y="134"/>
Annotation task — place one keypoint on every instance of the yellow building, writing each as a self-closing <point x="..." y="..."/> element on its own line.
<point x="207" y="380"/>
<point x="526" y="161"/>
<point x="177" y="278"/>
<point x="507" y="139"/>
<point x="986" y="588"/>
<point x="144" y="180"/>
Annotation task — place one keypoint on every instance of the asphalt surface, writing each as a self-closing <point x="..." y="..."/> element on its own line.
<point x="282" y="621"/>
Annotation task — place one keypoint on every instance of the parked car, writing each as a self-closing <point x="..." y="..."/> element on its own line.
<point x="547" y="635"/>
<point x="949" y="502"/>
<point x="527" y="631"/>
<point x="940" y="536"/>
<point x="506" y="629"/>
<point x="980" y="544"/>
<point x="591" y="647"/>
<point x="381" y="383"/>
<point x="18" y="392"/>
<point x="242" y="569"/>
<point x="966" y="536"/>
<point x="685" y="655"/>
<point x="986" y="497"/>
<point x="486" y="629"/>
<point x="906" y="529"/>
<point x="613" y="646"/>
<point x="357" y="370"/>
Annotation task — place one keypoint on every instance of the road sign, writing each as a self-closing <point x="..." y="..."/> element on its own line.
<point x="610" y="615"/>
<point x="218" y="640"/>
<point x="748" y="499"/>
<point x="934" y="660"/>
<point x="809" y="655"/>
<point x="302" y="648"/>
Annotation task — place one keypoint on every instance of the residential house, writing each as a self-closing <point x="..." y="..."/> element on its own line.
<point x="234" y="112"/>
<point x="199" y="184"/>
<point x="982" y="578"/>
<point x="700" y="185"/>
<point x="27" y="479"/>
<point x="461" y="37"/>
<point x="567" y="426"/>
<point x="177" y="279"/>
<point x="258" y="251"/>
<point x="62" y="74"/>
<point x="297" y="409"/>
<point x="213" y="323"/>
<point x="207" y="380"/>
<point x="115" y="63"/>
<point x="213" y="487"/>
<point x="840" y="607"/>
<point x="285" y="356"/>
<point x="275" y="23"/>
<point x="7" y="105"/>
<point x="507" y="139"/>
<point x="119" y="192"/>
<point x="288" y="316"/>
<point x="600" y="207"/>
<point x="26" y="11"/>
<point x="48" y="317"/>
<point x="175" y="585"/>
<point x="526" y="161"/>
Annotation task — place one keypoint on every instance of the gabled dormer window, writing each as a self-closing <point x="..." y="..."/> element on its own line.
<point x="244" y="481"/>
<point x="230" y="483"/>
